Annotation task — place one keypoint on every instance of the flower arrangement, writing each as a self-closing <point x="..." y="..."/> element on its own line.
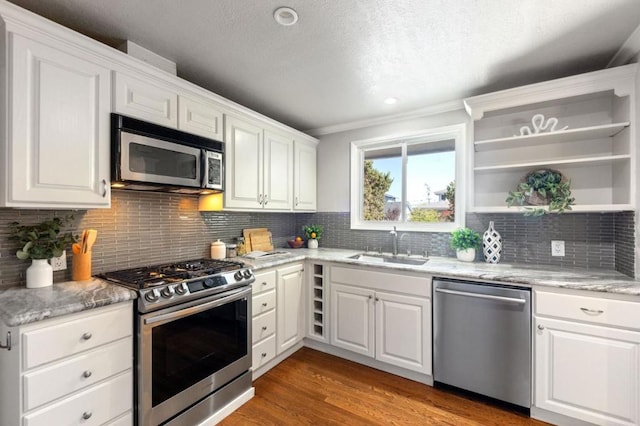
<point x="313" y="232"/>
<point x="465" y="238"/>
<point x="42" y="241"/>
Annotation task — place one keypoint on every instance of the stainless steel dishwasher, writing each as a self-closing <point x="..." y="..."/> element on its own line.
<point x="482" y="339"/>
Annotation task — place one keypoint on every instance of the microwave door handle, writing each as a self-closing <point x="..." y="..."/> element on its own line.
<point x="204" y="169"/>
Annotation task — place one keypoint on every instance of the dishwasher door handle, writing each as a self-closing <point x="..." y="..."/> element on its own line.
<point x="482" y="296"/>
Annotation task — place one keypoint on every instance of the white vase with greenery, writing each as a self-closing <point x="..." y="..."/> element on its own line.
<point x="40" y="243"/>
<point x="465" y="241"/>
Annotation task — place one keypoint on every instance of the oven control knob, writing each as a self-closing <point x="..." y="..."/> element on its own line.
<point x="167" y="292"/>
<point x="153" y="295"/>
<point x="247" y="273"/>
<point x="238" y="275"/>
<point x="181" y="289"/>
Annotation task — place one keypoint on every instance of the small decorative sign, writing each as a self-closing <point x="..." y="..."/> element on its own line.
<point x="540" y="125"/>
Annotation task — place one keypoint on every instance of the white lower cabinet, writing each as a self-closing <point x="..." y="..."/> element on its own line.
<point x="585" y="368"/>
<point x="278" y="312"/>
<point x="370" y="319"/>
<point x="74" y="369"/>
<point x="290" y="307"/>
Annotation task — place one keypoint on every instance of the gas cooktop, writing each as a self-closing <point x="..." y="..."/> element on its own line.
<point x="160" y="286"/>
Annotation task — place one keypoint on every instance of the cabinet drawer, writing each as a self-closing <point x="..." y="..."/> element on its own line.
<point x="618" y="313"/>
<point x="419" y="285"/>
<point x="125" y="420"/>
<point x="264" y="352"/>
<point x="264" y="326"/>
<point x="264" y="282"/>
<point x="69" y="338"/>
<point x="100" y="404"/>
<point x="263" y="302"/>
<point x="68" y="376"/>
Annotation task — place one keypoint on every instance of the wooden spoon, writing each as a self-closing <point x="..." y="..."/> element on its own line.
<point x="92" y="234"/>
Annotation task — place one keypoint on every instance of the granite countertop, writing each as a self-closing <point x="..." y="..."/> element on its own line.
<point x="20" y="305"/>
<point x="597" y="280"/>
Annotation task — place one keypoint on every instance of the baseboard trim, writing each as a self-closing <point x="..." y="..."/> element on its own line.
<point x="276" y="360"/>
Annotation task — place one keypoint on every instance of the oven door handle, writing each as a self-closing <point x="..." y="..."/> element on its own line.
<point x="181" y="313"/>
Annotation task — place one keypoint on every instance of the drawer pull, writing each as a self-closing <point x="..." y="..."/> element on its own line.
<point x="86" y="374"/>
<point x="264" y="328"/>
<point x="87" y="415"/>
<point x="264" y="354"/>
<point x="7" y="345"/>
<point x="540" y="327"/>
<point x="87" y="336"/>
<point x="264" y="304"/>
<point x="592" y="311"/>
<point x="264" y="283"/>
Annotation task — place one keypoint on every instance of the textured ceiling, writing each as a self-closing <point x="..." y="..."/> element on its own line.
<point x="344" y="57"/>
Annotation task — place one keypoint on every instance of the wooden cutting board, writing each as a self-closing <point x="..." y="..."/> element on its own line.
<point x="246" y="233"/>
<point x="261" y="241"/>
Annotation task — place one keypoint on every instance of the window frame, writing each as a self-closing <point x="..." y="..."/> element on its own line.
<point x="457" y="132"/>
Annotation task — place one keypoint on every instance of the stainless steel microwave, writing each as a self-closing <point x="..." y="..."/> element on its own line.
<point x="145" y="156"/>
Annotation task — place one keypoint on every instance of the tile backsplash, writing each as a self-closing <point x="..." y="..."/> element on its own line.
<point x="146" y="228"/>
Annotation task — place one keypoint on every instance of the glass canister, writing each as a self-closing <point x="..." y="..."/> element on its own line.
<point x="218" y="250"/>
<point x="241" y="249"/>
<point x="232" y="250"/>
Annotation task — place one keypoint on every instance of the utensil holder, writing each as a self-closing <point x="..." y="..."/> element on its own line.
<point x="81" y="267"/>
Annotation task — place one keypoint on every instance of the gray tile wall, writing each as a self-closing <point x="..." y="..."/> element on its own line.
<point x="142" y="229"/>
<point x="147" y="228"/>
<point x="590" y="238"/>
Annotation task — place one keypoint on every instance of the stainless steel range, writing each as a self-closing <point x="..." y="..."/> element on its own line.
<point x="193" y="349"/>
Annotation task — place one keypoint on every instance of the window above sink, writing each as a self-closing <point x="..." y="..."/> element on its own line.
<point x="413" y="181"/>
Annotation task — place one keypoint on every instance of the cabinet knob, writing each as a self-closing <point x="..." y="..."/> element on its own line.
<point x="104" y="188"/>
<point x="377" y="299"/>
<point x="86" y="374"/>
<point x="87" y="415"/>
<point x="260" y="199"/>
<point x="297" y="202"/>
<point x="264" y="304"/>
<point x="87" y="336"/>
<point x="264" y="354"/>
<point x="540" y="327"/>
<point x="266" y="199"/>
<point x="370" y="297"/>
<point x="264" y="283"/>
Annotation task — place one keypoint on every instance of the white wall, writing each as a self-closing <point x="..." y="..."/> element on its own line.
<point x="333" y="154"/>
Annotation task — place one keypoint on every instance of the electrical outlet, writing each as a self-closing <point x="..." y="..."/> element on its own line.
<point x="557" y="248"/>
<point x="59" y="263"/>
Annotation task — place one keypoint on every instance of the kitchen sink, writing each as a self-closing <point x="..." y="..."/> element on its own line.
<point x="386" y="258"/>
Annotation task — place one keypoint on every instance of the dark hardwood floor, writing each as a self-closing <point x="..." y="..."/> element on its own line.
<point x="313" y="388"/>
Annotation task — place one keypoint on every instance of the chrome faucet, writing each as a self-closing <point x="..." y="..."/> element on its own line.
<point x="394" y="240"/>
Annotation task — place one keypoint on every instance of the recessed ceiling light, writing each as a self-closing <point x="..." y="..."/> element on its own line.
<point x="390" y="101"/>
<point x="285" y="16"/>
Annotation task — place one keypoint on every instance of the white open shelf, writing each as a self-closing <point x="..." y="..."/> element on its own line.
<point x="561" y="136"/>
<point x="597" y="153"/>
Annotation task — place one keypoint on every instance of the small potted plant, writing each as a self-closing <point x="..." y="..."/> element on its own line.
<point x="542" y="187"/>
<point x="40" y="243"/>
<point x="313" y="234"/>
<point x="465" y="241"/>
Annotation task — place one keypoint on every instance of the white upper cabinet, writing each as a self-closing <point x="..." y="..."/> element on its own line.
<point x="200" y="116"/>
<point x="278" y="160"/>
<point x="146" y="100"/>
<point x="259" y="166"/>
<point x="581" y="126"/>
<point x="304" y="176"/>
<point x="243" y="163"/>
<point x="55" y="152"/>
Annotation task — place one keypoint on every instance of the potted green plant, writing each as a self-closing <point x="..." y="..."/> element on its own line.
<point x="313" y="234"/>
<point x="465" y="241"/>
<point x="542" y="187"/>
<point x="40" y="243"/>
